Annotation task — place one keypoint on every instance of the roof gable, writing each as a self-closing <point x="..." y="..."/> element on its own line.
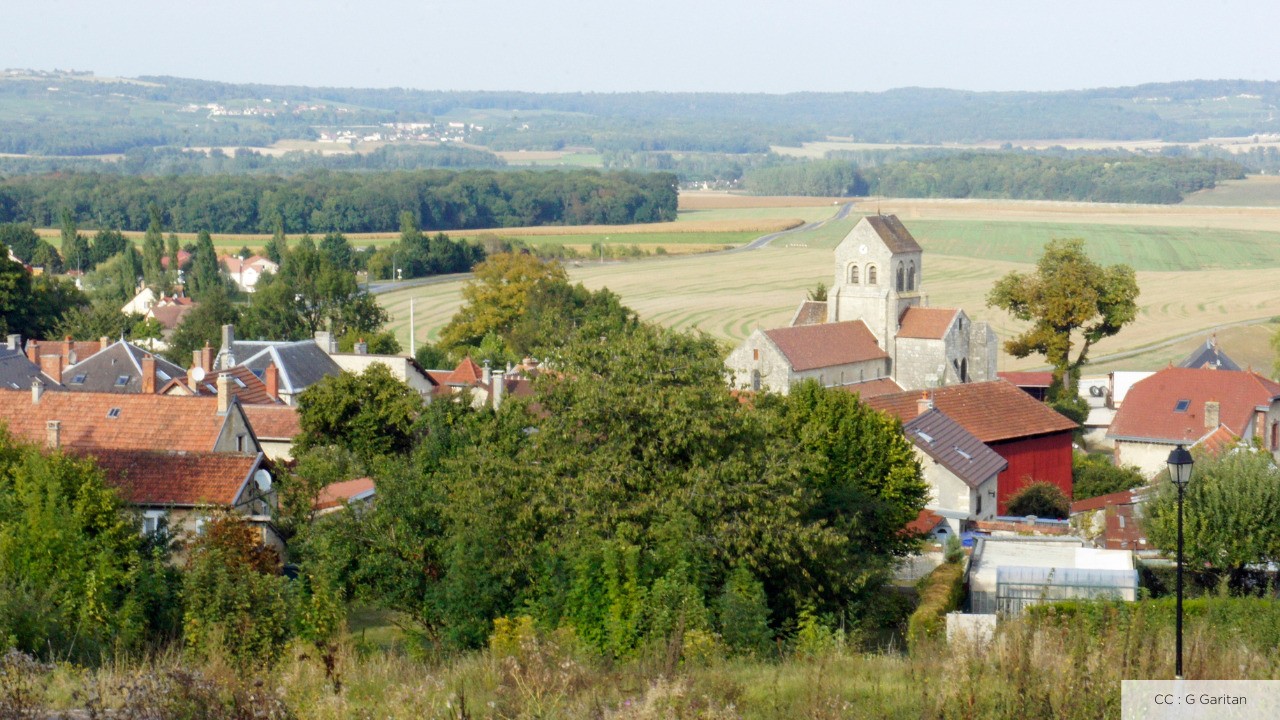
<point x="926" y="323"/>
<point x="301" y="364"/>
<point x="810" y="312"/>
<point x="273" y="422"/>
<point x="1169" y="406"/>
<point x="992" y="411"/>
<point x="17" y="372"/>
<point x="953" y="447"/>
<point x="117" y="369"/>
<point x="1209" y="355"/>
<point x="809" y="347"/>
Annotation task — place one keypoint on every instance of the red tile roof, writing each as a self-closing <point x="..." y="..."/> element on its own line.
<point x="170" y="316"/>
<point x="141" y="422"/>
<point x="925" y="522"/>
<point x="926" y="323"/>
<point x="991" y="411"/>
<point x="1028" y="379"/>
<point x="809" y="347"/>
<point x="273" y="422"/>
<point x="340" y="492"/>
<point x="168" y="479"/>
<point x="466" y="373"/>
<point x="872" y="388"/>
<point x="1219" y="440"/>
<point x="810" y="312"/>
<point x="1150" y="409"/>
<point x="1123" y="497"/>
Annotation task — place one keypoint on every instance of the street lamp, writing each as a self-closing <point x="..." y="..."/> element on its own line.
<point x="1180" y="463"/>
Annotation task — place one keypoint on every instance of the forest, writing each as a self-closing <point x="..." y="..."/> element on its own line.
<point x="322" y="201"/>
<point x="1020" y="176"/>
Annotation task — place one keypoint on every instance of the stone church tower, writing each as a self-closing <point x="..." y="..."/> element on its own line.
<point x="877" y="276"/>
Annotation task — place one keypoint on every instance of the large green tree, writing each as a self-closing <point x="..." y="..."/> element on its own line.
<point x="206" y="273"/>
<point x="498" y="297"/>
<point x="1231" y="511"/>
<point x="153" y="250"/>
<point x="1068" y="296"/>
<point x="34" y="306"/>
<point x="202" y="326"/>
<point x="371" y="414"/>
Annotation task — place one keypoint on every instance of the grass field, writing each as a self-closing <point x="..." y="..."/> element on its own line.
<point x="1253" y="191"/>
<point x="968" y="245"/>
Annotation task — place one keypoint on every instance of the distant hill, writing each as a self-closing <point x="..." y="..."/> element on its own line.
<point x="58" y="114"/>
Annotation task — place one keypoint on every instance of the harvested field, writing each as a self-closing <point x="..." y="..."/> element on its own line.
<point x="1253" y="191"/>
<point x="714" y="200"/>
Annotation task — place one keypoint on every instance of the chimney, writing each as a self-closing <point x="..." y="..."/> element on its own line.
<point x="33" y="351"/>
<point x="271" y="376"/>
<point x="53" y="434"/>
<point x="1211" y="415"/>
<point x="14" y="342"/>
<point x="37" y="389"/>
<point x="149" y="374"/>
<point x="51" y="365"/>
<point x="924" y="404"/>
<point x="224" y="393"/>
<point x="362" y="347"/>
<point x="498" y="388"/>
<point x="224" y="355"/>
<point x="324" y="341"/>
<point x="104" y="342"/>
<point x="206" y="358"/>
<point x="487" y="376"/>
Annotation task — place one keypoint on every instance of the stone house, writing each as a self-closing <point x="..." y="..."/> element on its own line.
<point x="960" y="469"/>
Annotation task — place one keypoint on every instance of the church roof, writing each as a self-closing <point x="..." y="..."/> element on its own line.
<point x="926" y="323"/>
<point x="810" y="312"/>
<point x="872" y="388"/>
<point x="809" y="347"/>
<point x="894" y="234"/>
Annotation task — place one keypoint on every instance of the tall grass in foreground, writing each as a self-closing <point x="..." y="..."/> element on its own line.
<point x="1032" y="668"/>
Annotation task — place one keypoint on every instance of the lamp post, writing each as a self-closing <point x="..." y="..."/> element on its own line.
<point x="1180" y="463"/>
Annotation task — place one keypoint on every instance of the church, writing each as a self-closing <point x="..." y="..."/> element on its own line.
<point x="875" y="332"/>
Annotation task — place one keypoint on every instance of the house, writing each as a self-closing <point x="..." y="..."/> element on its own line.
<point x="1209" y="355"/>
<point x="246" y="386"/>
<point x="1113" y="521"/>
<point x="170" y="456"/>
<point x="17" y="371"/>
<point x="1006" y="574"/>
<point x="877" y="324"/>
<point x="245" y="272"/>
<point x="177" y="490"/>
<point x="300" y="363"/>
<point x="275" y="427"/>
<point x="931" y="526"/>
<point x="487" y="386"/>
<point x="962" y="472"/>
<point x="120" y="368"/>
<point x="1033" y="439"/>
<point x="402" y="367"/>
<point x="141" y="302"/>
<point x="1188" y="406"/>
<point x="53" y="355"/>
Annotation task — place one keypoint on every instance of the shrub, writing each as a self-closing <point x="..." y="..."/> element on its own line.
<point x="953" y="551"/>
<point x="1093" y="475"/>
<point x="744" y="614"/>
<point x="941" y="592"/>
<point x="1042" y="499"/>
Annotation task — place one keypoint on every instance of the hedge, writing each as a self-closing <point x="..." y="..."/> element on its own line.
<point x="941" y="592"/>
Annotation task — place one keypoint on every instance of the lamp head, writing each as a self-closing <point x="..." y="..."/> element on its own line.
<point x="1180" y="463"/>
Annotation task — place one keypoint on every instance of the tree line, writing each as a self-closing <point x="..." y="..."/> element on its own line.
<point x="1090" y="178"/>
<point x="322" y="201"/>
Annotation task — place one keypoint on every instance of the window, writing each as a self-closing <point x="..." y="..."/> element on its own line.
<point x="122" y="381"/>
<point x="871" y="274"/>
<point x="978" y="511"/>
<point x="902" y="277"/>
<point x="78" y="380"/>
<point x="911" y="275"/>
<point x="755" y="353"/>
<point x="1275" y="436"/>
<point x="152" y="521"/>
<point x="1182" y="406"/>
<point x="240" y="443"/>
<point x="853" y="274"/>
<point x="113" y="413"/>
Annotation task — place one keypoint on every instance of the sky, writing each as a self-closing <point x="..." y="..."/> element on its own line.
<point x="664" y="45"/>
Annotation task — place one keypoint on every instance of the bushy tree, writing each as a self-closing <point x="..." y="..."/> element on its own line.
<point x="34" y="306"/>
<point x="371" y="414"/>
<point x="1041" y="499"/>
<point x="153" y="250"/>
<point x="21" y="239"/>
<point x="202" y="326"/>
<point x="1094" y="475"/>
<point x="1231" y="511"/>
<point x="1068" y="296"/>
<point x="76" y="579"/>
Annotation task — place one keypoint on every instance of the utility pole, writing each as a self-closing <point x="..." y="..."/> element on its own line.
<point x="413" y="351"/>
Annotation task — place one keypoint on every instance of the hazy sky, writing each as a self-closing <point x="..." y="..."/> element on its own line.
<point x="598" y="45"/>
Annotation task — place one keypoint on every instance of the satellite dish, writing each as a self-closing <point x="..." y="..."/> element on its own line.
<point x="263" y="478"/>
<point x="197" y="374"/>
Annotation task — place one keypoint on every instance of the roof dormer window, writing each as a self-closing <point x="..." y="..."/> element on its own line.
<point x="122" y="381"/>
<point x="1182" y="405"/>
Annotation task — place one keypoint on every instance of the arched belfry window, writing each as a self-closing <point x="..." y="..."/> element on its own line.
<point x="871" y="274"/>
<point x="911" y="275"/>
<point x="853" y="275"/>
<point x="901" y="277"/>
